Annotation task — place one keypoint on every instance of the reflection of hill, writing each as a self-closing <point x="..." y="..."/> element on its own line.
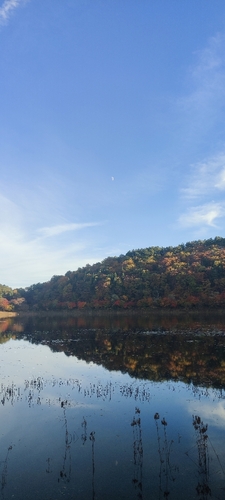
<point x="191" y="352"/>
<point x="5" y="338"/>
<point x="154" y="357"/>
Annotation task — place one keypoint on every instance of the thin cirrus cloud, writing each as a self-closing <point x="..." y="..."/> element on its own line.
<point x="31" y="255"/>
<point x="7" y="8"/>
<point x="27" y="262"/>
<point x="36" y="259"/>
<point x="204" y="215"/>
<point x="202" y="112"/>
<point x="47" y="232"/>
<point x="206" y="178"/>
<point x="207" y="79"/>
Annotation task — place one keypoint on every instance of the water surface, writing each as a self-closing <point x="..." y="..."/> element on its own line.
<point x="112" y="407"/>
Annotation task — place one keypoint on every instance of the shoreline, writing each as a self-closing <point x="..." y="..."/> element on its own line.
<point x="128" y="312"/>
<point x="8" y="314"/>
<point x="160" y="312"/>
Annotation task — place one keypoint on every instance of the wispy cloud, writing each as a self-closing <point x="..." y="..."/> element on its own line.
<point x="62" y="228"/>
<point x="7" y="8"/>
<point x="30" y="259"/>
<point x="201" y="112"/>
<point x="206" y="177"/>
<point x="204" y="215"/>
<point x="207" y="82"/>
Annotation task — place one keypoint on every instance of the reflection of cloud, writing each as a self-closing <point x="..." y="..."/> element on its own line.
<point x="213" y="413"/>
<point x="7" y="7"/>
<point x="62" y="228"/>
<point x="205" y="215"/>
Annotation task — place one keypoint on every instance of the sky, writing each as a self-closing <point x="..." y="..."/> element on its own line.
<point x="112" y="130"/>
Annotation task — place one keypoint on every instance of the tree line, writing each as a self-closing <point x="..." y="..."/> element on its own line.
<point x="187" y="276"/>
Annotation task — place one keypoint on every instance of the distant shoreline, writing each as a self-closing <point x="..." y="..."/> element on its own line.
<point x="123" y="312"/>
<point x="109" y="312"/>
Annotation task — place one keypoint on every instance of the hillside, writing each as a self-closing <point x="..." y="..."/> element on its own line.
<point x="191" y="275"/>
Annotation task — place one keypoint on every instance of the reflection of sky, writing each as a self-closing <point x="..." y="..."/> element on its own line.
<point x="175" y="401"/>
<point x="28" y="360"/>
<point x="110" y="416"/>
<point x="211" y="411"/>
<point x="20" y="360"/>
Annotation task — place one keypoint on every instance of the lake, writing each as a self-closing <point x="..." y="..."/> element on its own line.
<point x="112" y="407"/>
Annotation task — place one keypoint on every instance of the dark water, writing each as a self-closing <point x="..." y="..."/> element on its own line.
<point x="112" y="408"/>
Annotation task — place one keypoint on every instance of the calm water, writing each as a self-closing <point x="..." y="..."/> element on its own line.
<point x="112" y="408"/>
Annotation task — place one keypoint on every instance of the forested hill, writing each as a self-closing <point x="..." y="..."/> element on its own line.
<point x="191" y="275"/>
<point x="188" y="275"/>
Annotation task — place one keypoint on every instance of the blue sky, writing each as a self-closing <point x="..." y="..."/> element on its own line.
<point x="112" y="130"/>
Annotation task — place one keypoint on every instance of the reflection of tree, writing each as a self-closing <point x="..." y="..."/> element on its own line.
<point x="203" y="489"/>
<point x="92" y="439"/>
<point x="84" y="433"/>
<point x="203" y="443"/>
<point x="33" y="386"/>
<point x="65" y="472"/>
<point x="159" y="347"/>
<point x="106" y="392"/>
<point x="9" y="394"/>
<point x="5" y="473"/>
<point x="138" y="452"/>
<point x="166" y="470"/>
<point x="193" y="356"/>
